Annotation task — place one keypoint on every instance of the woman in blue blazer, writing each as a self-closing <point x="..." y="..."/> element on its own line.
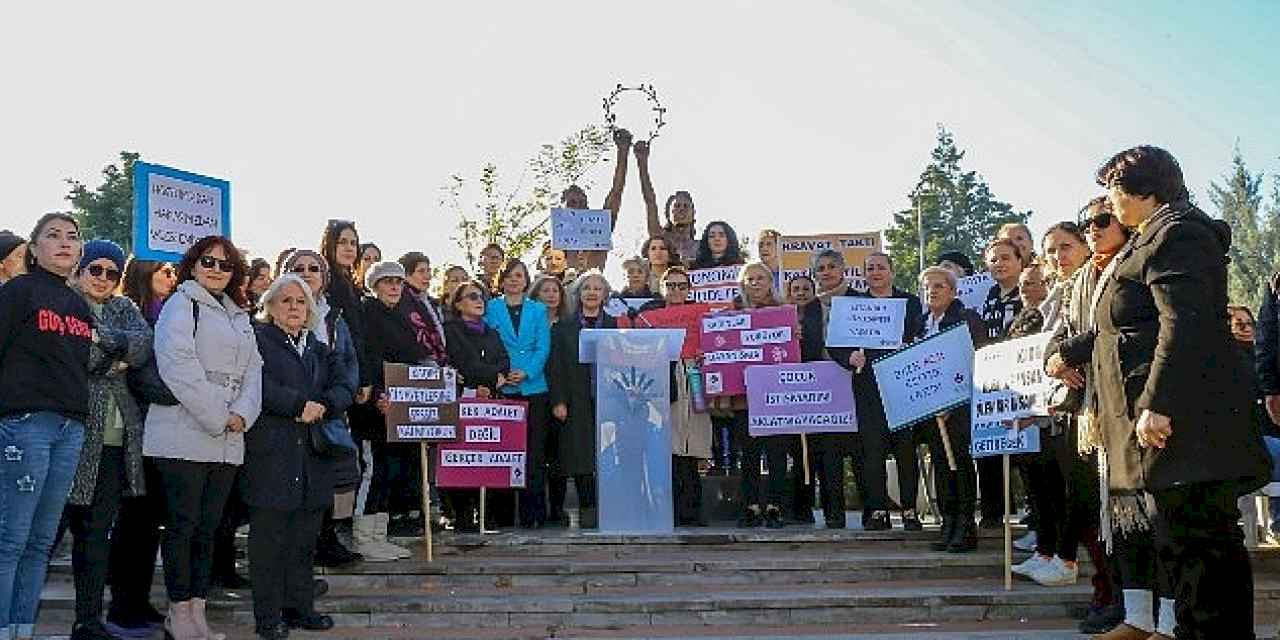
<point x="526" y="333"/>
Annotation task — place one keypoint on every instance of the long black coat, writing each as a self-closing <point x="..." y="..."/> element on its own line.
<point x="570" y="382"/>
<point x="281" y="471"/>
<point x="866" y="390"/>
<point x="1163" y="344"/>
<point x="479" y="358"/>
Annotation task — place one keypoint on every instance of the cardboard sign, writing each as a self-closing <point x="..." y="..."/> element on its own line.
<point x="733" y="340"/>
<point x="717" y="286"/>
<point x="490" y="451"/>
<point x="868" y="323"/>
<point x="797" y="252"/>
<point x="996" y="439"/>
<point x="927" y="378"/>
<point x="174" y="209"/>
<point x="423" y="403"/>
<point x="1009" y="381"/>
<point x="972" y="290"/>
<point x="808" y="397"/>
<point x="581" y="229"/>
<point x="686" y="316"/>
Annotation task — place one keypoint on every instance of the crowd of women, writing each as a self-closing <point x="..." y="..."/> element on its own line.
<point x="165" y="406"/>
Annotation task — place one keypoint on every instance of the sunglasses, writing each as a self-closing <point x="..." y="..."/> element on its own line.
<point x="473" y="296"/>
<point x="96" y="270"/>
<point x="313" y="268"/>
<point x="209" y="262"/>
<point x="678" y="285"/>
<point x="1101" y="221"/>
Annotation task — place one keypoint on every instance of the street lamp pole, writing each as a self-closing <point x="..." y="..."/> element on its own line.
<point x="920" y="231"/>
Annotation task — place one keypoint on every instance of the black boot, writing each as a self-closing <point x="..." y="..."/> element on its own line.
<point x="948" y="532"/>
<point x="329" y="552"/>
<point x="965" y="537"/>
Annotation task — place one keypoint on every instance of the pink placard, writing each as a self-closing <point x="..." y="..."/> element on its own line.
<point x="734" y="340"/>
<point x="491" y="445"/>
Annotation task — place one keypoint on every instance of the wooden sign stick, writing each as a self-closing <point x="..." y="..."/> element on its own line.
<point x="1008" y="534"/>
<point x="426" y="500"/>
<point x="804" y="453"/>
<point x="946" y="442"/>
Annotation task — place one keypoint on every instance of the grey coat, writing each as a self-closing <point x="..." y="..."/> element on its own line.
<point x="213" y="369"/>
<point x="124" y="340"/>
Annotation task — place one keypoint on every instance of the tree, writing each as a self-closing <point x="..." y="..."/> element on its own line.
<point x="107" y="211"/>
<point x="956" y="209"/>
<point x="1253" y="238"/>
<point x="516" y="217"/>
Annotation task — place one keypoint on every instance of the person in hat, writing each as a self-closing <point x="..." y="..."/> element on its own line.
<point x="955" y="262"/>
<point x="13" y="256"/>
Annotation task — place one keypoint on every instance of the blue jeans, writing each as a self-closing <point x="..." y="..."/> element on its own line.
<point x="1273" y="447"/>
<point x="38" y="457"/>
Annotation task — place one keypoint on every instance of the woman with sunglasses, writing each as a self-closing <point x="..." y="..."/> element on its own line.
<point x="110" y="466"/>
<point x="208" y="356"/>
<point x="46" y="331"/>
<point x="478" y="354"/>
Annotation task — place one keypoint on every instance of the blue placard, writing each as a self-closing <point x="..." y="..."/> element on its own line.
<point x="997" y="439"/>
<point x="174" y="209"/>
<point x="929" y="377"/>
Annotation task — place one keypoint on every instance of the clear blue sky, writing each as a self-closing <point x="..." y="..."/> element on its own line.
<point x="807" y="116"/>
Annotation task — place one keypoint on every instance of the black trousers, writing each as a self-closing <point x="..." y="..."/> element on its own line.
<point x="801" y="507"/>
<point x="557" y="481"/>
<point x="991" y="480"/>
<point x="135" y="542"/>
<point x="395" y="486"/>
<point x="877" y="444"/>
<point x="773" y="449"/>
<point x="282" y="547"/>
<point x="1199" y="543"/>
<point x="195" y="494"/>
<point x="91" y="526"/>
<point x="686" y="489"/>
<point x="827" y="452"/>
<point x="235" y="514"/>
<point x="533" y="498"/>
<point x="956" y="489"/>
<point x="1064" y="488"/>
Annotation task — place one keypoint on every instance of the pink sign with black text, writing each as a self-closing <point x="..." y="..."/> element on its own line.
<point x="490" y="449"/>
<point x="734" y="340"/>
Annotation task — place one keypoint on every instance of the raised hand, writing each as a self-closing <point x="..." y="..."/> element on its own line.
<point x="622" y="138"/>
<point x="641" y="150"/>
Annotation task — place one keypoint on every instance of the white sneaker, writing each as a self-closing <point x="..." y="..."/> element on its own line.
<point x="1028" y="567"/>
<point x="1026" y="543"/>
<point x="1056" y="573"/>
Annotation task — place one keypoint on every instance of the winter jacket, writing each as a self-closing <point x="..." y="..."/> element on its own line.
<point x="866" y="389"/>
<point x="573" y="385"/>
<point x="213" y="369"/>
<point x="479" y="357"/>
<point x="529" y="345"/>
<point x="45" y="332"/>
<point x="388" y="338"/>
<point x="124" y="341"/>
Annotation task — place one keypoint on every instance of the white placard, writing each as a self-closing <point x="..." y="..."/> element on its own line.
<point x="1009" y="380"/>
<point x="581" y="229"/>
<point x="868" y="323"/>
<point x="972" y="290"/>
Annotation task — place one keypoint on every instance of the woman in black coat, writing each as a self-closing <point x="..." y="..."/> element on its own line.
<point x="288" y="485"/>
<point x="477" y="352"/>
<point x="1173" y="406"/>
<point x="572" y="388"/>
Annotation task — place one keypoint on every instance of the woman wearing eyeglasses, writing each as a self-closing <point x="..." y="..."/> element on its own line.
<point x="111" y="459"/>
<point x="481" y="359"/>
<point x="207" y="354"/>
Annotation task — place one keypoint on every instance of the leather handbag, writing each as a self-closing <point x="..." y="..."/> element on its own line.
<point x="332" y="439"/>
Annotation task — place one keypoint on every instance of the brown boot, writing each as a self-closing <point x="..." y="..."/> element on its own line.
<point x="1124" y="632"/>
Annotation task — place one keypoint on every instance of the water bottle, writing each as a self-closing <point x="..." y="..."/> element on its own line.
<point x="698" y="400"/>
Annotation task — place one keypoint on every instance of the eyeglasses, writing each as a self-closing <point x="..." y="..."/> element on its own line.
<point x="682" y="286"/>
<point x="96" y="270"/>
<point x="209" y="262"/>
<point x="313" y="268"/>
<point x="1101" y="221"/>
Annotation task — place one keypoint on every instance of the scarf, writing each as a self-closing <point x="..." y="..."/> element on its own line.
<point x="476" y="327"/>
<point x="426" y="330"/>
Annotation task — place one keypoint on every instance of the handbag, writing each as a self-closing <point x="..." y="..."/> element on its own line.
<point x="145" y="382"/>
<point x="332" y="439"/>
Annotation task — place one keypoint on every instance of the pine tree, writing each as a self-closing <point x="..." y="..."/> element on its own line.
<point x="956" y="209"/>
<point x="107" y="211"/>
<point x="1253" y="239"/>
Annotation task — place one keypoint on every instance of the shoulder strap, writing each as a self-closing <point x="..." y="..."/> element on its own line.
<point x="195" y="317"/>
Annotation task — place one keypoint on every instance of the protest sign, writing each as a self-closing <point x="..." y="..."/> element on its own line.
<point x="717" y="286"/>
<point x="796" y="252"/>
<point x="733" y="340"/>
<point x="972" y="290"/>
<point x="1009" y="380"/>
<point x="927" y="378"/>
<point x="423" y="403"/>
<point x="868" y="323"/>
<point x="491" y="450"/>
<point x="686" y="316"/>
<point x="807" y="397"/>
<point x="174" y="209"/>
<point x="581" y="229"/>
<point x="997" y="439"/>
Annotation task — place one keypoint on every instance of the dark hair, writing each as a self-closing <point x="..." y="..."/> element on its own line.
<point x="1005" y="242"/>
<point x="40" y="225"/>
<point x="456" y="294"/>
<point x="1145" y="171"/>
<point x="1240" y="307"/>
<point x="411" y="260"/>
<point x="1068" y="227"/>
<point x="136" y="282"/>
<point x="573" y="188"/>
<point x="493" y="245"/>
<point x="282" y="258"/>
<point x="361" y="267"/>
<point x="367" y="246"/>
<point x="512" y="265"/>
<point x="329" y="245"/>
<point x="672" y="252"/>
<point x="240" y="270"/>
<point x="732" y="254"/>
<point x="672" y="198"/>
<point x="802" y="276"/>
<point x="256" y="265"/>
<point x="535" y="293"/>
